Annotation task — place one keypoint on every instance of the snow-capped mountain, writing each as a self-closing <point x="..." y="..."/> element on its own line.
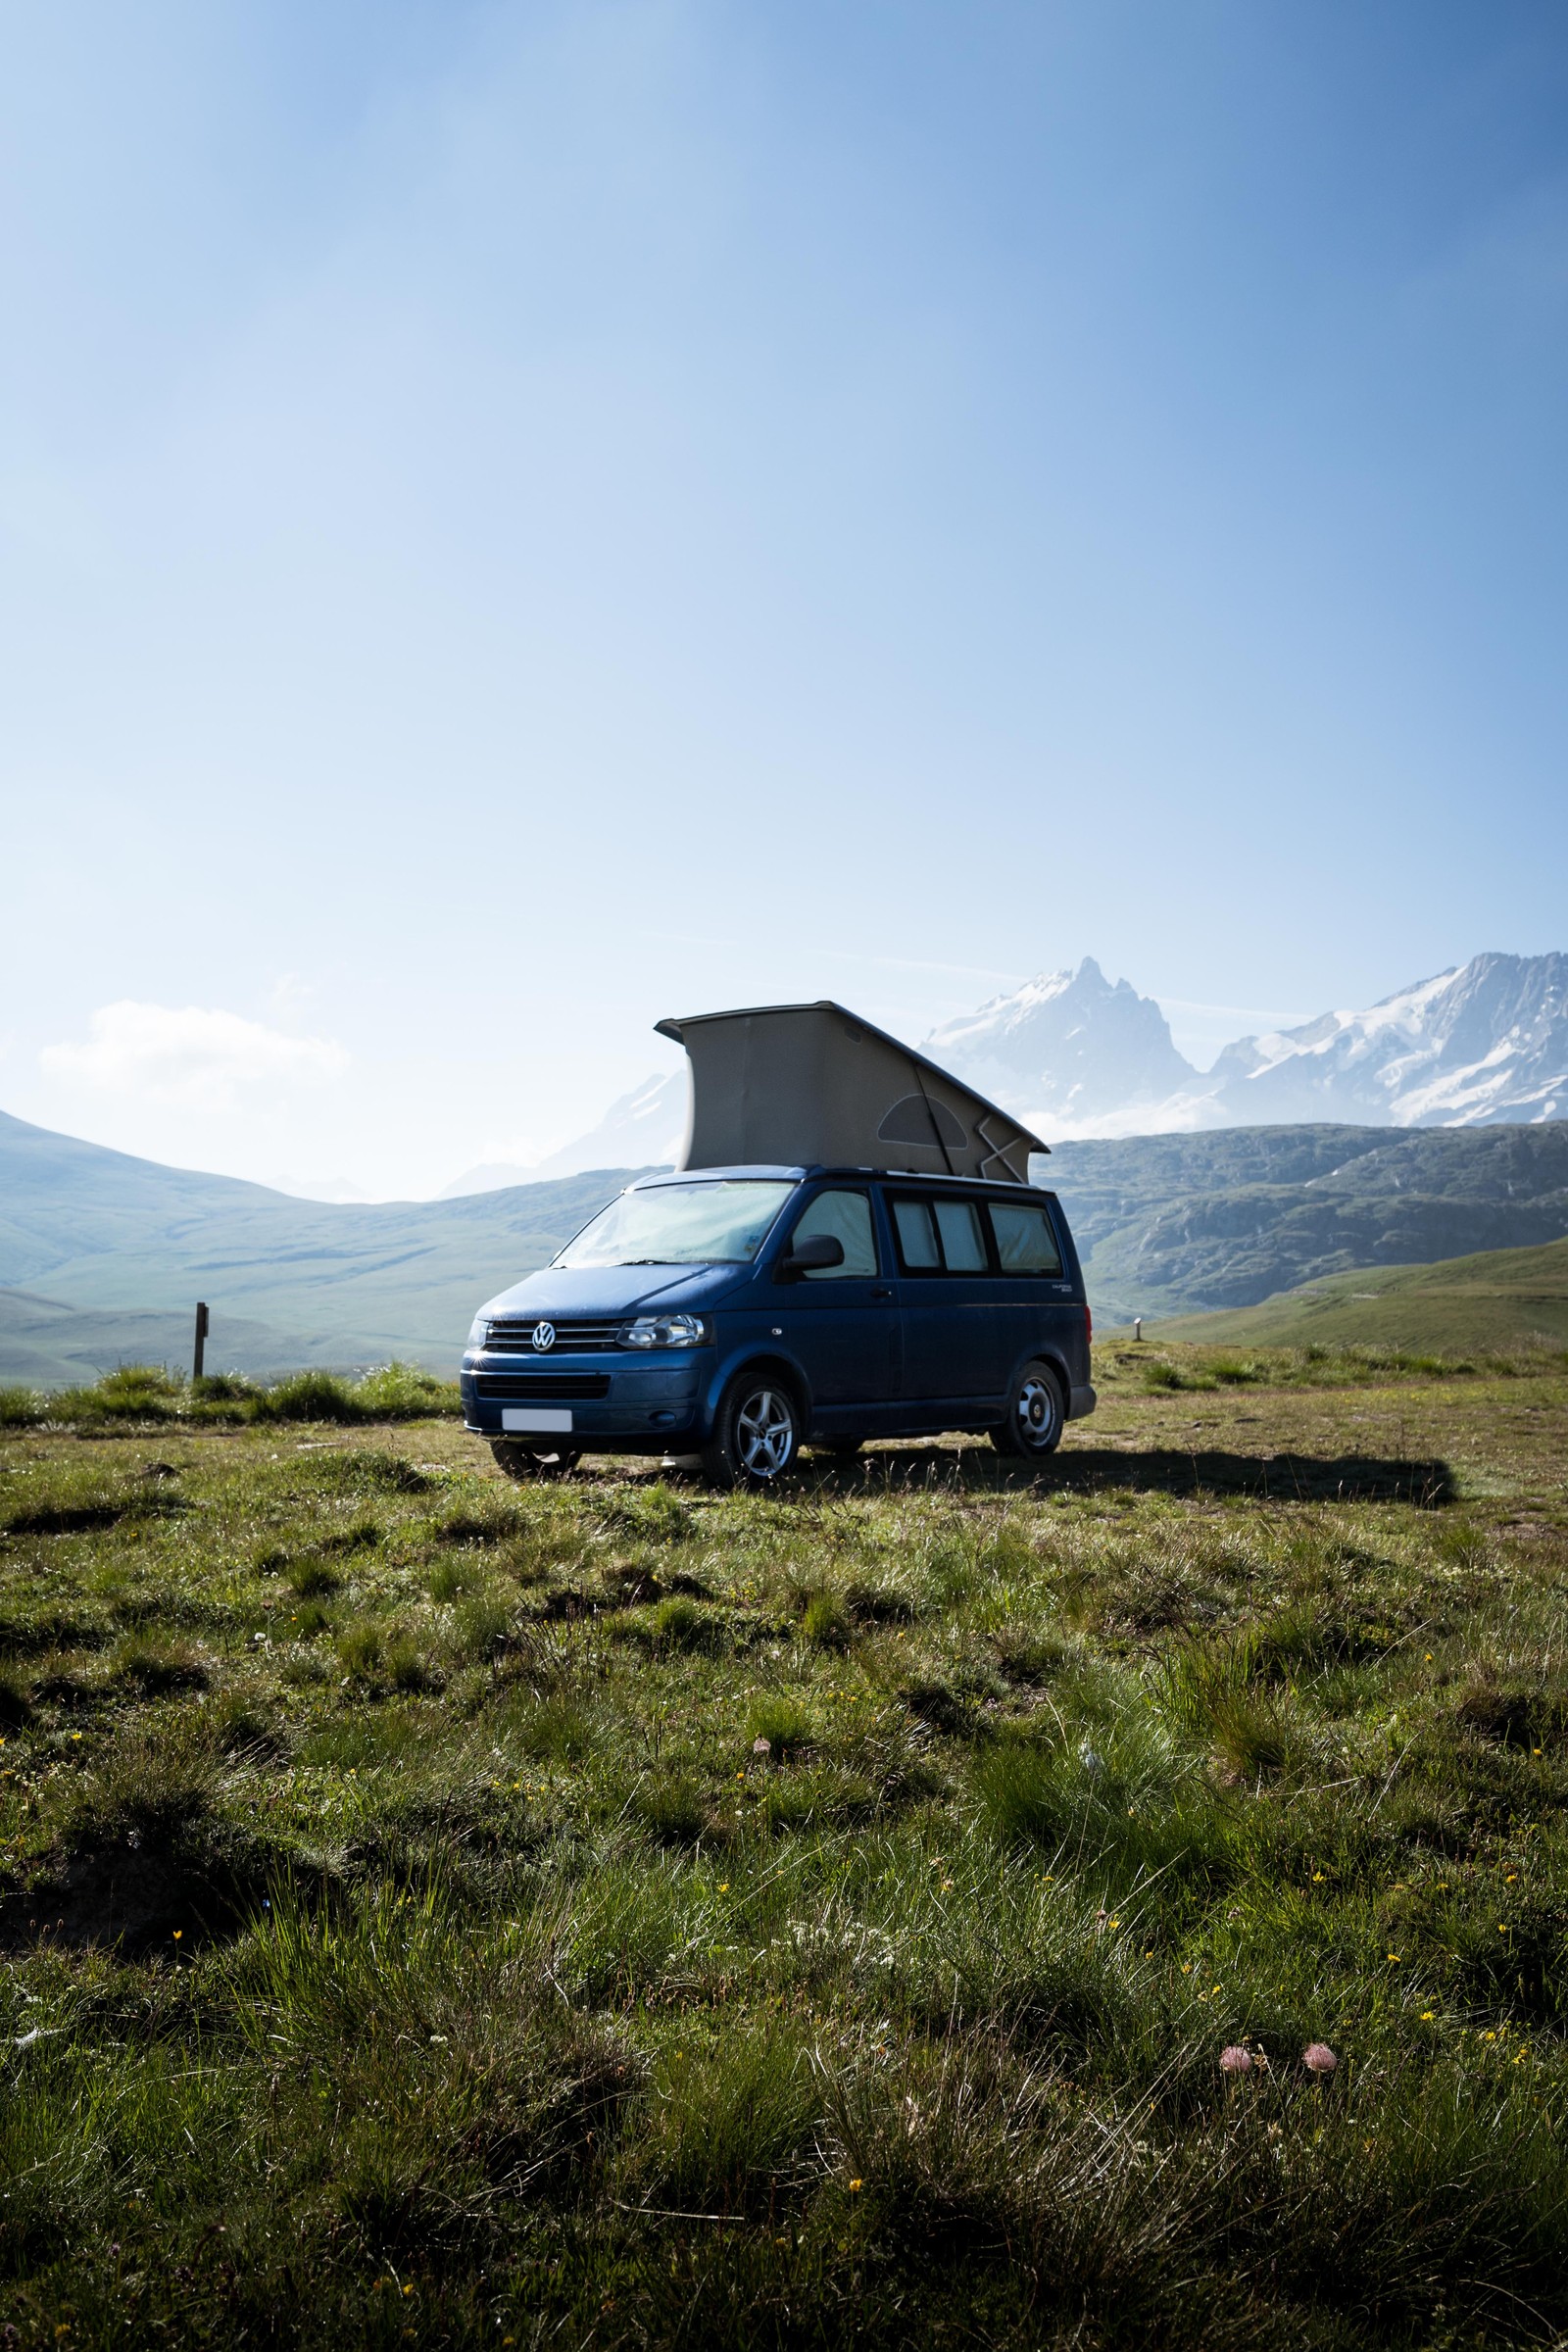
<point x="1484" y="1043"/>
<point x="1077" y="1055"/>
<point x="645" y="1129"/>
<point x="1077" y="1050"/>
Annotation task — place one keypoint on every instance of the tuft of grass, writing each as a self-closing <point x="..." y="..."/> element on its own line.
<point x="736" y="2121"/>
<point x="1528" y="1712"/>
<point x="399" y="1391"/>
<point x="877" y="1600"/>
<point x="157" y="1668"/>
<point x="1251" y="1740"/>
<point x="309" y="1397"/>
<point x="359" y="1651"/>
<point x="241" y="1727"/>
<point x="653" y="1515"/>
<point x="312" y="1579"/>
<point x="483" y="1628"/>
<point x="680" y="1624"/>
<point x="826" y="1620"/>
<point x="555" y="1730"/>
<point x="308" y="1620"/>
<point x="783" y="1722"/>
<point x="672" y="1807"/>
<point x="408" y="1669"/>
<point x="450" y="1580"/>
<point x="937" y="1703"/>
<point x="139" y="1393"/>
<point x="1032" y="1659"/>
<point x="224" y="1389"/>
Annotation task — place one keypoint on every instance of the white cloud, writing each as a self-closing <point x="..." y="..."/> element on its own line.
<point x="189" y="1054"/>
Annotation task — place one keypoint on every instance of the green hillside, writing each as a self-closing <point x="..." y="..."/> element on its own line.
<point x="103" y="1257"/>
<point x="1176" y="1224"/>
<point x="1497" y="1299"/>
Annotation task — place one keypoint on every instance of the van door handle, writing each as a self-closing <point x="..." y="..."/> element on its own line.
<point x="881" y="1290"/>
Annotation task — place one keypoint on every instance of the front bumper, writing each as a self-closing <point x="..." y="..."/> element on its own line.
<point x="612" y="1401"/>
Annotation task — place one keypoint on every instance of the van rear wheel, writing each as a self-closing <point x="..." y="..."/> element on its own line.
<point x="1036" y="1414"/>
<point x="534" y="1462"/>
<point x="757" y="1433"/>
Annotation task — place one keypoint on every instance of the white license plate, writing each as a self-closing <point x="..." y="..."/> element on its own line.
<point x="539" y="1418"/>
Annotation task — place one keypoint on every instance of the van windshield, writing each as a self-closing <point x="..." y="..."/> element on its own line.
<point x="724" y="1223"/>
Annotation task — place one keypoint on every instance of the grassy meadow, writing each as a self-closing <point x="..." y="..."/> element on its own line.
<point x="890" y="1913"/>
<point x="1499" y="1299"/>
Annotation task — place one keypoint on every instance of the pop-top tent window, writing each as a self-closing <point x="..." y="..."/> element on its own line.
<point x="919" y="1120"/>
<point x="814" y="1085"/>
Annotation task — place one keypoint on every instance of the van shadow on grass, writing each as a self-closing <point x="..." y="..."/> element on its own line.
<point x="1429" y="1483"/>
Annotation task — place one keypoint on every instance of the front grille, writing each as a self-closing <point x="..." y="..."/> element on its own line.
<point x="542" y="1387"/>
<point x="574" y="1337"/>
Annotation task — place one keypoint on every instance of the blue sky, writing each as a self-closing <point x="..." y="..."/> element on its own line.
<point x="518" y="520"/>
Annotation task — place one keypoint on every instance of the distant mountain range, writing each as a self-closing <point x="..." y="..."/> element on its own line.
<point x="1076" y="1054"/>
<point x="1484" y="1044"/>
<point x="103" y="1257"/>
<point x="1424" y="1128"/>
<point x="1164" y="1221"/>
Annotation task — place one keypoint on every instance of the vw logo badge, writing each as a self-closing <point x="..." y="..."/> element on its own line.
<point x="544" y="1335"/>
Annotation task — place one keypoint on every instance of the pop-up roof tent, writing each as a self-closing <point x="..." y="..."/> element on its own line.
<point x="812" y="1085"/>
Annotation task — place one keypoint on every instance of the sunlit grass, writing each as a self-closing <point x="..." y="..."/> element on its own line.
<point x="444" y="1911"/>
<point x="141" y="1393"/>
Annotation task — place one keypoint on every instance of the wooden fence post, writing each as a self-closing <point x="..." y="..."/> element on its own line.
<point x="201" y="1338"/>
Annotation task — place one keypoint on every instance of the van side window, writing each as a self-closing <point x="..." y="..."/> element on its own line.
<point x="941" y="1235"/>
<point x="848" y="1217"/>
<point x="918" y="1237"/>
<point x="963" y="1241"/>
<point x="1025" y="1242"/>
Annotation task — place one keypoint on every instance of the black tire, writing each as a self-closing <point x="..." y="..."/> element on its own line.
<point x="757" y="1433"/>
<point x="1037" y="1414"/>
<point x="520" y="1460"/>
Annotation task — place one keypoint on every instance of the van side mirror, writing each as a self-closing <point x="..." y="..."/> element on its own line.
<point x="816" y="1250"/>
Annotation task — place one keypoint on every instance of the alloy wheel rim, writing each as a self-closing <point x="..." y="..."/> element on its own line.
<point x="765" y="1428"/>
<point x="1036" y="1414"/>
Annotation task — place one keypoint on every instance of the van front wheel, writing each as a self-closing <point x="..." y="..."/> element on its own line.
<point x="534" y="1462"/>
<point x="1036" y="1414"/>
<point x="757" y="1433"/>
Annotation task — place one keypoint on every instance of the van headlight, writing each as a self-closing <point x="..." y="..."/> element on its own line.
<point x="479" y="1330"/>
<point x="665" y="1331"/>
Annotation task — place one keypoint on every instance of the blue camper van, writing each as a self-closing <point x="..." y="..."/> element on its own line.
<point x="739" y="1313"/>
